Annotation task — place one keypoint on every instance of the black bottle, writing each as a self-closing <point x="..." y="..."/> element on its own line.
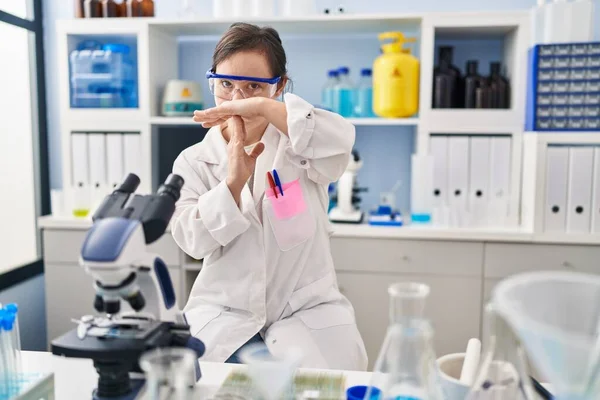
<point x="472" y="81"/>
<point x="500" y="88"/>
<point x="483" y="96"/>
<point x="447" y="81"/>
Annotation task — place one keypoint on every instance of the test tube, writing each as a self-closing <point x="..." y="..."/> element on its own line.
<point x="9" y="326"/>
<point x="13" y="310"/>
<point x="6" y="357"/>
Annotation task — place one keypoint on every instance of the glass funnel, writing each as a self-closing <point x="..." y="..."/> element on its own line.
<point x="170" y="373"/>
<point x="557" y="317"/>
<point x="502" y="373"/>
<point x="405" y="368"/>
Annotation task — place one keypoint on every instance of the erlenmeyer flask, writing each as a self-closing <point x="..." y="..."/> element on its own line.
<point x="502" y="373"/>
<point x="169" y="371"/>
<point x="405" y="368"/>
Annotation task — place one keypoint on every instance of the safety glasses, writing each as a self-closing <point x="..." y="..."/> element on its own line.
<point x="225" y="86"/>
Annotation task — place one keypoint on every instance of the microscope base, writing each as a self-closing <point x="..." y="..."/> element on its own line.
<point x="337" y="215"/>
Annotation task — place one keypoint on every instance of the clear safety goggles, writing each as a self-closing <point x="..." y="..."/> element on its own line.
<point x="226" y="86"/>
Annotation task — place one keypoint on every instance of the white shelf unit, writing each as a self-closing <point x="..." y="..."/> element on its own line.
<point x="157" y="57"/>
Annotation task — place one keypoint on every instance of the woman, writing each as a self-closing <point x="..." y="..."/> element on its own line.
<point x="268" y="274"/>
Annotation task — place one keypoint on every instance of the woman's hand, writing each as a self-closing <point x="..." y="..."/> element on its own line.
<point x="240" y="164"/>
<point x="245" y="108"/>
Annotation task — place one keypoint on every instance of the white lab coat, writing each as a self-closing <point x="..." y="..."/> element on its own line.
<point x="262" y="274"/>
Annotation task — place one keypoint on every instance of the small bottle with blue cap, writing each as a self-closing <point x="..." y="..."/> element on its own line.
<point x="343" y="98"/>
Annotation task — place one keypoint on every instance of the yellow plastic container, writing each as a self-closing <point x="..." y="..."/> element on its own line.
<point x="395" y="78"/>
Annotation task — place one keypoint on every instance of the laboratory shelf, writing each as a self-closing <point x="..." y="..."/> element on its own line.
<point x="473" y="121"/>
<point x="354" y="121"/>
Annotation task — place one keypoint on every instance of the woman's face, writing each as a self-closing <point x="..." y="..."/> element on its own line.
<point x="245" y="63"/>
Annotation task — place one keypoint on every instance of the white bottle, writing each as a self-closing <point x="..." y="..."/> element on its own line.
<point x="582" y="21"/>
<point x="263" y="8"/>
<point x="421" y="193"/>
<point x="557" y="27"/>
<point x="222" y="9"/>
<point x="538" y="19"/>
<point x="242" y="8"/>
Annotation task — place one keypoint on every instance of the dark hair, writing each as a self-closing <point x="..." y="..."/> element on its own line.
<point x="248" y="37"/>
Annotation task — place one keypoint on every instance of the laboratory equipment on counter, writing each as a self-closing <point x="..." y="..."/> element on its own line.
<point x="406" y="366"/>
<point x="115" y="253"/>
<point x="364" y="95"/>
<point x="421" y="202"/>
<point x="10" y="352"/>
<point x="182" y="98"/>
<point x="343" y="94"/>
<point x="395" y="78"/>
<point x="272" y="376"/>
<point x="386" y="213"/>
<point x="170" y="373"/>
<point x="105" y="78"/>
<point x="563" y="92"/>
<point x="327" y="92"/>
<point x="502" y="372"/>
<point x="347" y="209"/>
<point x="556" y="315"/>
<point x="473" y="81"/>
<point x="448" y="84"/>
<point x="499" y="86"/>
<point x="298" y="8"/>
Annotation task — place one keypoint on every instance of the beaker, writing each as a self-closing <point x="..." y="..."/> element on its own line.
<point x="406" y="365"/>
<point x="169" y="371"/>
<point x="502" y="373"/>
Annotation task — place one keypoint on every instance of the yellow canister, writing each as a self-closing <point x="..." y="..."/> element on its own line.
<point x="395" y="78"/>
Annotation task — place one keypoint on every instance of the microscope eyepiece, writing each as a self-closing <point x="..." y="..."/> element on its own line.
<point x="171" y="187"/>
<point x="130" y="184"/>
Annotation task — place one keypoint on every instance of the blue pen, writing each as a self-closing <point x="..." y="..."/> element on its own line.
<point x="278" y="182"/>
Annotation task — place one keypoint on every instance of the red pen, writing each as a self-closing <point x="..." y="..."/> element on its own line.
<point x="272" y="184"/>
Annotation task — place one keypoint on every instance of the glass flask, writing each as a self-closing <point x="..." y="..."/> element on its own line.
<point x="406" y="368"/>
<point x="169" y="371"/>
<point x="502" y="373"/>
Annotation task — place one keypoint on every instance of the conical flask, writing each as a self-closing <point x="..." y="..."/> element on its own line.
<point x="406" y="368"/>
<point x="502" y="373"/>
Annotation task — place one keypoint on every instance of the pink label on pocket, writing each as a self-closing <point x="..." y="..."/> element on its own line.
<point x="291" y="203"/>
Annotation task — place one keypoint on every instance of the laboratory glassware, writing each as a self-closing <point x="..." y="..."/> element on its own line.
<point x="169" y="370"/>
<point x="421" y="202"/>
<point x="500" y="88"/>
<point x="556" y="315"/>
<point x="502" y="373"/>
<point x="473" y="81"/>
<point x="328" y="89"/>
<point x="343" y="101"/>
<point x="406" y="367"/>
<point x="364" y="95"/>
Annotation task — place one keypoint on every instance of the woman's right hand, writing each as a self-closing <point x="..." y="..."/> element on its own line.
<point x="240" y="164"/>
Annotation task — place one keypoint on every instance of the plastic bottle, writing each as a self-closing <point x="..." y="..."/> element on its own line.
<point x="405" y="368"/>
<point x="499" y="86"/>
<point x="450" y="92"/>
<point x="343" y="94"/>
<point x="364" y="95"/>
<point x="395" y="79"/>
<point x="472" y="81"/>
<point x="328" y="89"/>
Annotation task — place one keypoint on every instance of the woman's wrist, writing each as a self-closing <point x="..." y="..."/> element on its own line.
<point x="235" y="189"/>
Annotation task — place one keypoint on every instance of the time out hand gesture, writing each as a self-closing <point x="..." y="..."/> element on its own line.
<point x="240" y="164"/>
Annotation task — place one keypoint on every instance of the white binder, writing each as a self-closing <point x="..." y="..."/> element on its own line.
<point x="458" y="179"/>
<point x="479" y="179"/>
<point x="132" y="145"/>
<point x="439" y="151"/>
<point x="79" y="160"/>
<point x="595" y="210"/>
<point x="114" y="160"/>
<point x="557" y="174"/>
<point x="579" y="199"/>
<point x="97" y="154"/>
<point x="500" y="163"/>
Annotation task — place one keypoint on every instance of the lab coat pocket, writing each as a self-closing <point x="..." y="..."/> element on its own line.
<point x="199" y="318"/>
<point x="289" y="215"/>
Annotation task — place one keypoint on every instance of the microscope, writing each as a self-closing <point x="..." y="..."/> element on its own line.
<point x="115" y="253"/>
<point x="348" y="199"/>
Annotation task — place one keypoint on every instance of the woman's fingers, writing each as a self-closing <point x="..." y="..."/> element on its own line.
<point x="239" y="130"/>
<point x="257" y="150"/>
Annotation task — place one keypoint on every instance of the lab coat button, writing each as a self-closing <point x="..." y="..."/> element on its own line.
<point x="227" y="309"/>
<point x="303" y="162"/>
<point x="309" y="116"/>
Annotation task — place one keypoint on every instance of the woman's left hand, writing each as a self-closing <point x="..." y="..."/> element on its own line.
<point x="245" y="108"/>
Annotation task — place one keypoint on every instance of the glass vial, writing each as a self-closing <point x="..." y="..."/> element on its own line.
<point x="146" y="8"/>
<point x="79" y="8"/>
<point x="500" y="88"/>
<point x="405" y="368"/>
<point x="121" y="8"/>
<point x="92" y="9"/>
<point x="502" y="373"/>
<point x="472" y="82"/>
<point x="109" y="8"/>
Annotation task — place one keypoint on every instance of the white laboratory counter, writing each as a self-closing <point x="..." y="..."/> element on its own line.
<point x="76" y="378"/>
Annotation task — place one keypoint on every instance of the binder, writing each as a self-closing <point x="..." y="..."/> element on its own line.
<point x="114" y="160"/>
<point x="500" y="163"/>
<point x="479" y="178"/>
<point x="579" y="199"/>
<point x="595" y="210"/>
<point x="97" y="160"/>
<point x="439" y="152"/>
<point x="557" y="176"/>
<point x="132" y="153"/>
<point x="79" y="160"/>
<point x="458" y="178"/>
